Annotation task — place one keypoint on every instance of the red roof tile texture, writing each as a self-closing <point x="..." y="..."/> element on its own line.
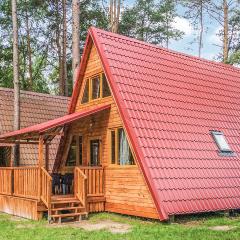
<point x="169" y="103"/>
<point x="35" y="108"/>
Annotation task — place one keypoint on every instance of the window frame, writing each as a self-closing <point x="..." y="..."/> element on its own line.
<point x="89" y="81"/>
<point x="99" y="138"/>
<point x="79" y="162"/>
<point x="216" y="140"/>
<point x="116" y="162"/>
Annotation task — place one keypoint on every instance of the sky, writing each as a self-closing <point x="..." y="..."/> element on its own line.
<point x="211" y="46"/>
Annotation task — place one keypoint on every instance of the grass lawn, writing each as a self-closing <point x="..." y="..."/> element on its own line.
<point x="201" y="227"/>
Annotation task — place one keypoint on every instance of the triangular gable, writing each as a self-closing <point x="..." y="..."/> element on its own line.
<point x="92" y="38"/>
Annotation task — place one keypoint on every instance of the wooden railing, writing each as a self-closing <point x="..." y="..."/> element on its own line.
<point x="95" y="180"/>
<point x="80" y="186"/>
<point x="26" y="182"/>
<point x="46" y="187"/>
<point x="6" y="181"/>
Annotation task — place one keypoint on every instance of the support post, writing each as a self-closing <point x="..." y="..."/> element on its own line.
<point x="47" y="157"/>
<point x="40" y="151"/>
<point x="40" y="164"/>
<point x="171" y="219"/>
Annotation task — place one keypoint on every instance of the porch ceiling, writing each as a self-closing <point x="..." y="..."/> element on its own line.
<point x="47" y="129"/>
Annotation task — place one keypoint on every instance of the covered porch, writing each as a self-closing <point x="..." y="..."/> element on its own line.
<point x="29" y="191"/>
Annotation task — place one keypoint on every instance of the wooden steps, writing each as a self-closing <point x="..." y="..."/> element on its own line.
<point x="66" y="207"/>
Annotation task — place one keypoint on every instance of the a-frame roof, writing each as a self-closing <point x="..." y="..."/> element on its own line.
<point x="169" y="103"/>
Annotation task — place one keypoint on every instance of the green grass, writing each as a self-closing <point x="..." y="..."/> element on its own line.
<point x="194" y="228"/>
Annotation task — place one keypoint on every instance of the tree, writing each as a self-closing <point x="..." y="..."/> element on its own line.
<point x="114" y="15"/>
<point x="197" y="11"/>
<point x="44" y="46"/>
<point x="75" y="37"/>
<point x="16" y="120"/>
<point x="234" y="44"/>
<point x="64" y="47"/>
<point x="150" y="21"/>
<point x="222" y="11"/>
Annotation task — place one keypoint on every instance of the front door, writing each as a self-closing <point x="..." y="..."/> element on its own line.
<point x="95" y="152"/>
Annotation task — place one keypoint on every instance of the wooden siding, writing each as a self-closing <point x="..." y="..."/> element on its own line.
<point x="127" y="193"/>
<point x="21" y="207"/>
<point x="125" y="188"/>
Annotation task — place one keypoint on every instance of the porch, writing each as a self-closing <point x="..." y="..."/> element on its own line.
<point x="29" y="191"/>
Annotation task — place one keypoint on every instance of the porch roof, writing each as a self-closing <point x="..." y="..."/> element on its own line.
<point x="48" y="128"/>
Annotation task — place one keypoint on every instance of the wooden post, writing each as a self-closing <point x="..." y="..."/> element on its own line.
<point x="47" y="157"/>
<point x="40" y="152"/>
<point x="40" y="164"/>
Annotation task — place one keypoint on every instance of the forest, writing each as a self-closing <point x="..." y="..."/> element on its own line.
<point x="51" y="33"/>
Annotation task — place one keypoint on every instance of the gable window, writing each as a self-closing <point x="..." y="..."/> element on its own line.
<point x="105" y="88"/>
<point x="96" y="87"/>
<point x="85" y="97"/>
<point x="221" y="142"/>
<point x="75" y="151"/>
<point x="121" y="153"/>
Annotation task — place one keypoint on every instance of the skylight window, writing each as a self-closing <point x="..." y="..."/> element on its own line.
<point x="221" y="142"/>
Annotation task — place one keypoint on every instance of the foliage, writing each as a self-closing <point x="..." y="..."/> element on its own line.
<point x="44" y="24"/>
<point x="150" y="21"/>
<point x="234" y="43"/>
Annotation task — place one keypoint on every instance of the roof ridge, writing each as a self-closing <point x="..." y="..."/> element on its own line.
<point x="171" y="51"/>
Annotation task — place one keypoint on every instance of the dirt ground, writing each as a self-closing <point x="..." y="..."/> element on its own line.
<point x="111" y="226"/>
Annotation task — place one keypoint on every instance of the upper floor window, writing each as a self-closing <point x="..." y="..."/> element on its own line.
<point x="121" y="153"/>
<point x="95" y="88"/>
<point x="221" y="142"/>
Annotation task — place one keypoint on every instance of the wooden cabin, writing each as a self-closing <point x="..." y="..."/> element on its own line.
<point x="138" y="138"/>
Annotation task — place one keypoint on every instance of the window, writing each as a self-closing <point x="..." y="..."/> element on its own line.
<point x="85" y="97"/>
<point x="113" y="147"/>
<point x="95" y="152"/>
<point x="95" y="88"/>
<point x="75" y="152"/>
<point x="221" y="142"/>
<point x="105" y="88"/>
<point x="121" y="153"/>
<point x="5" y="156"/>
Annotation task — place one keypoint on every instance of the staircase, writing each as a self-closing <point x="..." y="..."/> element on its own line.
<point x="66" y="208"/>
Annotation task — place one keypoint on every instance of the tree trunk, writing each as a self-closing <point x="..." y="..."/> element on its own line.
<point x="111" y="15"/>
<point x="114" y="12"/>
<point x="16" y="122"/>
<point x="201" y="29"/>
<point x="64" y="49"/>
<point x="59" y="48"/>
<point x="117" y="15"/>
<point x="75" y="37"/>
<point x="225" y="31"/>
<point x="29" y="52"/>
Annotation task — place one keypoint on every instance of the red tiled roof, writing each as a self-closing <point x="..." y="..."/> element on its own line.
<point x="30" y="132"/>
<point x="169" y="102"/>
<point x="35" y="108"/>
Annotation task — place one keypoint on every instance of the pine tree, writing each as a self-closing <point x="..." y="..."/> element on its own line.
<point x="150" y="21"/>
